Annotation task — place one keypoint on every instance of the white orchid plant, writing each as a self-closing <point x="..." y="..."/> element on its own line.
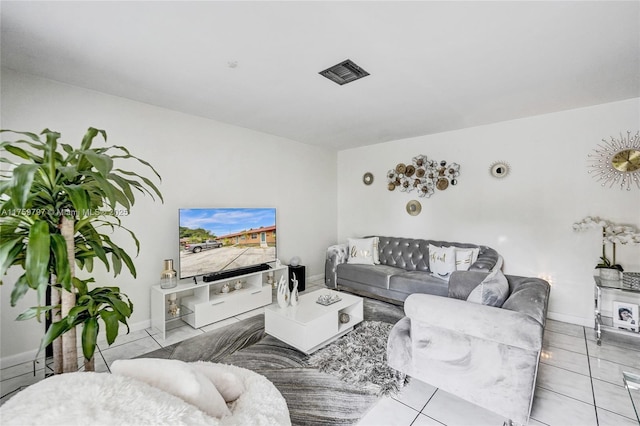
<point x="611" y="233"/>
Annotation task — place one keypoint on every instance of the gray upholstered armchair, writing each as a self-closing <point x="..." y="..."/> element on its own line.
<point x="483" y="354"/>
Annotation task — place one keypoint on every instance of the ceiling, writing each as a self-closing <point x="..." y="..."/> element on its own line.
<point x="434" y="65"/>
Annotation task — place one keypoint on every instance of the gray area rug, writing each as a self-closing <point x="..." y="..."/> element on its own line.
<point x="313" y="397"/>
<point x="360" y="358"/>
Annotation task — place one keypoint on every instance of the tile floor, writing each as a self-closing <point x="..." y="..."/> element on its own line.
<point x="579" y="383"/>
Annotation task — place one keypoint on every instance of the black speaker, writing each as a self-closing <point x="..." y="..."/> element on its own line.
<point x="299" y="271"/>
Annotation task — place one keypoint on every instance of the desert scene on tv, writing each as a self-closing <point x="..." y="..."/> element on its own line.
<point x="222" y="239"/>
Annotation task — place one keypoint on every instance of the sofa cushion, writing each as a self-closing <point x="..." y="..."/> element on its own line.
<point x="442" y="261"/>
<point x="362" y="250"/>
<point x="373" y="275"/>
<point x="418" y="282"/>
<point x="465" y="258"/>
<point x="492" y="291"/>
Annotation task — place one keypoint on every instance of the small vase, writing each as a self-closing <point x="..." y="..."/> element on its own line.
<point x="169" y="276"/>
<point x="283" y="293"/>
<point x="609" y="274"/>
<point x="294" y="292"/>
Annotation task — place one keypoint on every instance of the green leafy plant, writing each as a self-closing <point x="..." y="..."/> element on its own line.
<point x="59" y="206"/>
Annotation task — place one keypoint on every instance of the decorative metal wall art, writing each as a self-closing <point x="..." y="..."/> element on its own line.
<point x="423" y="175"/>
<point x="367" y="178"/>
<point x="414" y="207"/>
<point x="499" y="169"/>
<point x="617" y="161"/>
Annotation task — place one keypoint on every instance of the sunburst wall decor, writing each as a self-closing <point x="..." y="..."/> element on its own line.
<point x="617" y="162"/>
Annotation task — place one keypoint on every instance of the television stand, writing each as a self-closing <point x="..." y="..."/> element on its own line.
<point x="200" y="304"/>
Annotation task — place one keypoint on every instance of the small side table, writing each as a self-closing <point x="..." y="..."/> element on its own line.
<point x="299" y="270"/>
<point x="606" y="323"/>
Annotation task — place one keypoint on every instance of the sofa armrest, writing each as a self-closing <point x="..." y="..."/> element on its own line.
<point x="336" y="254"/>
<point x="527" y="295"/>
<point x="502" y="326"/>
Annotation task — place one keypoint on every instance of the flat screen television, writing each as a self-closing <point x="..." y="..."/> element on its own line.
<point x="223" y="241"/>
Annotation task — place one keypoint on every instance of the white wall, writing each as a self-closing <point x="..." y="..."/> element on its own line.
<point x="526" y="216"/>
<point x="203" y="163"/>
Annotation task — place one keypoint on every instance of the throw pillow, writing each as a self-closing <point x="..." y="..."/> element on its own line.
<point x="492" y="291"/>
<point x="442" y="261"/>
<point x="228" y="384"/>
<point x="361" y="251"/>
<point x="465" y="258"/>
<point x="376" y="253"/>
<point x="176" y="378"/>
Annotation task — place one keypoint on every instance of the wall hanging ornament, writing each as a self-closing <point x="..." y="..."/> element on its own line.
<point x="499" y="169"/>
<point x="423" y="175"/>
<point x="367" y="178"/>
<point x="617" y="161"/>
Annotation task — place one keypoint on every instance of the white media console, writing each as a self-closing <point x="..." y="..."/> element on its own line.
<point x="205" y="302"/>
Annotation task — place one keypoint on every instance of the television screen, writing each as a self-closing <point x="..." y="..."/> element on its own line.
<point x="223" y="239"/>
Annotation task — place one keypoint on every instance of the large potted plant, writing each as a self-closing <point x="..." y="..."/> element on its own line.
<point x="59" y="206"/>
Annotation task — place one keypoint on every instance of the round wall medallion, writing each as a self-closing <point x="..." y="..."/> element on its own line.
<point x="442" y="184"/>
<point x="414" y="207"/>
<point x="499" y="169"/>
<point x="367" y="178"/>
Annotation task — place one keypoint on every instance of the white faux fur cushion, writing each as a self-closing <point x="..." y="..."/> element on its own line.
<point x="228" y="384"/>
<point x="177" y="378"/>
<point x="103" y="399"/>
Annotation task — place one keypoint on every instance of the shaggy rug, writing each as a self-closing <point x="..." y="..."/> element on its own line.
<point x="360" y="358"/>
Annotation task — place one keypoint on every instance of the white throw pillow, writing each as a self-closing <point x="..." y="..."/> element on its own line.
<point x="492" y="291"/>
<point x="376" y="253"/>
<point x="228" y="384"/>
<point x="465" y="258"/>
<point x="361" y="251"/>
<point x="442" y="261"/>
<point x="177" y="378"/>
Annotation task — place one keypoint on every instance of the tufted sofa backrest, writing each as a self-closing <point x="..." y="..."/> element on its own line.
<point x="412" y="254"/>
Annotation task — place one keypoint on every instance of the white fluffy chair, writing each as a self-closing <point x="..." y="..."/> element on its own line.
<point x="108" y="399"/>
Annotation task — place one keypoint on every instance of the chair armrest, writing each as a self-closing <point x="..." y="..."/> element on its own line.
<point x="336" y="254"/>
<point x="484" y="322"/>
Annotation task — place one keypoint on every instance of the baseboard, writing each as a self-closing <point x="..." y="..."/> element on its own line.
<point x="570" y="319"/>
<point x="30" y="356"/>
<point x="318" y="277"/>
<point x="10" y="361"/>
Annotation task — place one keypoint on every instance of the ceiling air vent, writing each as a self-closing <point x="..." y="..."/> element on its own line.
<point x="344" y="72"/>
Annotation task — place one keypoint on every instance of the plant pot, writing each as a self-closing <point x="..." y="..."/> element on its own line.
<point x="609" y="274"/>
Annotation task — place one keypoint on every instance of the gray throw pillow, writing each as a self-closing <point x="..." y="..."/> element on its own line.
<point x="492" y="291"/>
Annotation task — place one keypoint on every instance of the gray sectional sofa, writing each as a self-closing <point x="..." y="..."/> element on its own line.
<point x="487" y="355"/>
<point x="403" y="268"/>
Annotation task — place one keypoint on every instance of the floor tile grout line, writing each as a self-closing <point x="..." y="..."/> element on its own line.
<point x="558" y="347"/>
<point x="616" y="413"/>
<point x="593" y="390"/>
<point x="566" y="369"/>
<point x="566" y="396"/>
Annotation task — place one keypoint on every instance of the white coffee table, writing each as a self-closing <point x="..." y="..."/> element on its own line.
<point x="310" y="325"/>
